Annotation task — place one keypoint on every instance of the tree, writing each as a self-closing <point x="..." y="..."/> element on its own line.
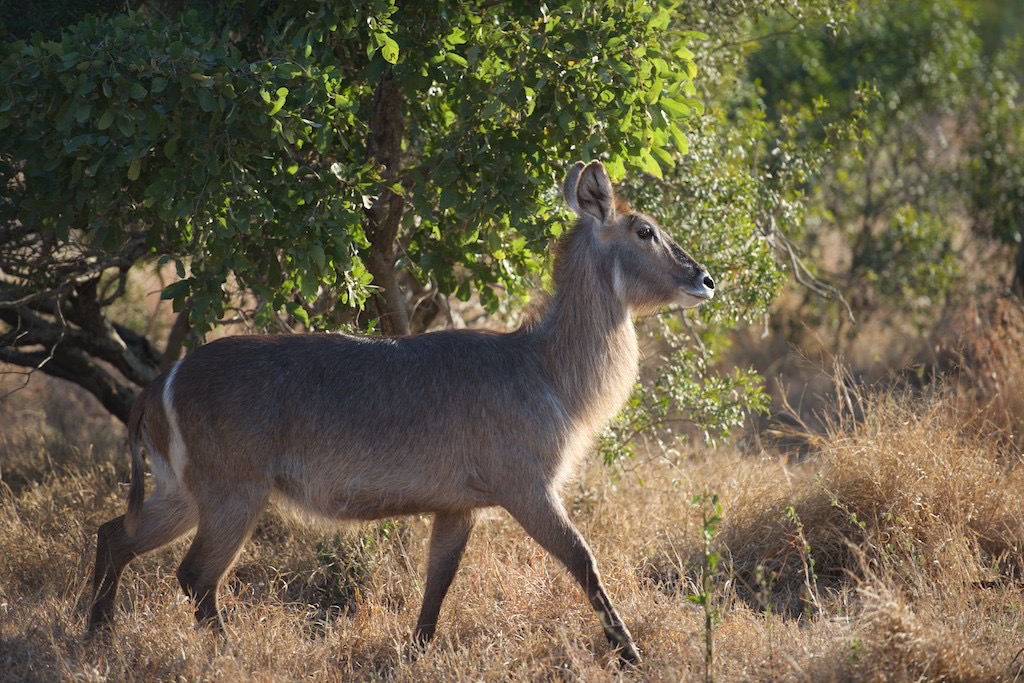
<point x="934" y="164"/>
<point x="994" y="177"/>
<point x="307" y="166"/>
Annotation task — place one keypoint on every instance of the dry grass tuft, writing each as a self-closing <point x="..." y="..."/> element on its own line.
<point x="981" y="345"/>
<point x="901" y="534"/>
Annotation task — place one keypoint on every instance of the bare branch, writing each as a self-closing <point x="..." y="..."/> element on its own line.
<point x="72" y="365"/>
<point x="21" y="301"/>
<point x="801" y="273"/>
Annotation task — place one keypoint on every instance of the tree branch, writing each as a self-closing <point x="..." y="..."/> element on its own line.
<point x="101" y="338"/>
<point x="74" y="366"/>
<point x="801" y="273"/>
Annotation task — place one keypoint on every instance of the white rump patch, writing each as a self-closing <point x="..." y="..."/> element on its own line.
<point x="176" y="445"/>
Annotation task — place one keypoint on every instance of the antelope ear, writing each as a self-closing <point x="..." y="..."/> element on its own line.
<point x="572" y="180"/>
<point x="594" y="194"/>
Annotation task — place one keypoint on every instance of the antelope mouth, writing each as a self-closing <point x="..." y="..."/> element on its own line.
<point x="694" y="294"/>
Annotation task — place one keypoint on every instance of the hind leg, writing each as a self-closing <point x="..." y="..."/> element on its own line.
<point x="447" y="544"/>
<point x="164" y="519"/>
<point x="222" y="532"/>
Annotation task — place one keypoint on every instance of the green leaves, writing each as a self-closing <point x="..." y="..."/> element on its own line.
<point x="685" y="397"/>
<point x="500" y="101"/>
<point x="106" y="120"/>
<point x="381" y="24"/>
<point x="278" y="103"/>
<point x="170" y="132"/>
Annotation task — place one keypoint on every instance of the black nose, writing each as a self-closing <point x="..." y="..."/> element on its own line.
<point x="708" y="282"/>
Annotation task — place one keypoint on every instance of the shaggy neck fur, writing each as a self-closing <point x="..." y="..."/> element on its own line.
<point x="590" y="346"/>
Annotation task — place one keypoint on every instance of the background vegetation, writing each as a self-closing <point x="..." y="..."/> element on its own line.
<point x="853" y="176"/>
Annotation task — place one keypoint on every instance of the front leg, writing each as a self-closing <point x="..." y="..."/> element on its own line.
<point x="543" y="517"/>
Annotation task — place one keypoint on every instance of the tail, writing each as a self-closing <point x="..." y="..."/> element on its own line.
<point x="137" y="487"/>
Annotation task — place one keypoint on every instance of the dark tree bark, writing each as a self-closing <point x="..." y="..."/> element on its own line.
<point x="384" y="218"/>
<point x="75" y="366"/>
<point x="62" y="329"/>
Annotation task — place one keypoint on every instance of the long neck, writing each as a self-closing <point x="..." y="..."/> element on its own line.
<point x="589" y="341"/>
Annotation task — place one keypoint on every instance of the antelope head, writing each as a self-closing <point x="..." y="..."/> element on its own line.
<point x="647" y="269"/>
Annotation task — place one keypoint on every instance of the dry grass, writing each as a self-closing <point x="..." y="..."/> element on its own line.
<point x="890" y="551"/>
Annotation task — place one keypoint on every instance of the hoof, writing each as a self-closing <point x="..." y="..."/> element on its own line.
<point x="98" y="630"/>
<point x="628" y="654"/>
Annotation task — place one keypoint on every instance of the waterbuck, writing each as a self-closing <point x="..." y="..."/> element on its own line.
<point x="349" y="427"/>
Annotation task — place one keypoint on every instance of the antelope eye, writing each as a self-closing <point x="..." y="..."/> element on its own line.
<point x="645" y="232"/>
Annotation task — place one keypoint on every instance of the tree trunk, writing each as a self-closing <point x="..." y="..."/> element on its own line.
<point x="383" y="219"/>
